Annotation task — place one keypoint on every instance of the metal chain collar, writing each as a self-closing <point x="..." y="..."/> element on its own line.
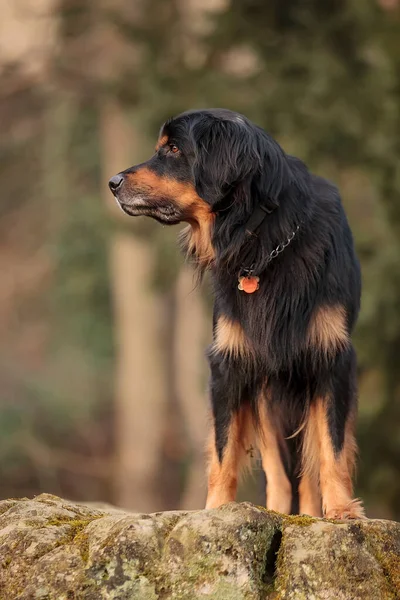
<point x="280" y="248"/>
<point x="275" y="252"/>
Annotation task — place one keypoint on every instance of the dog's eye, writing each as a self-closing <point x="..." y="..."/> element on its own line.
<point x="173" y="148"/>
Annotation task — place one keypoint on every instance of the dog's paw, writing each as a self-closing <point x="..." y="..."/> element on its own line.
<point x="352" y="510"/>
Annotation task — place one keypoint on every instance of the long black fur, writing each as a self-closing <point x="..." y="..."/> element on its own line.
<point x="235" y="166"/>
<point x="319" y="268"/>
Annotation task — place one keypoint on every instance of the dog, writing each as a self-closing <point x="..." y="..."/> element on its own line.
<point x="287" y="289"/>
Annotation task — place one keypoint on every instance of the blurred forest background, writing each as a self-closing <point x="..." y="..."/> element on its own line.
<point x="97" y="310"/>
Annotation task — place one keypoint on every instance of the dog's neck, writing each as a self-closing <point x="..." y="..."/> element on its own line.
<point x="250" y="242"/>
<point x="196" y="241"/>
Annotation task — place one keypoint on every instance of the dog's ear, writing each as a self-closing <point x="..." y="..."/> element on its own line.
<point x="272" y="174"/>
<point x="238" y="162"/>
<point x="217" y="165"/>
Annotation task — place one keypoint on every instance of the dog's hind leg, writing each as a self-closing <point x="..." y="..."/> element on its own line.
<point x="329" y="443"/>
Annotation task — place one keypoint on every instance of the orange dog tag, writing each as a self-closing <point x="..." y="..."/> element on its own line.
<point x="249" y="284"/>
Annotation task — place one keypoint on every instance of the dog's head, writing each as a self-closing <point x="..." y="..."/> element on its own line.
<point x="205" y="161"/>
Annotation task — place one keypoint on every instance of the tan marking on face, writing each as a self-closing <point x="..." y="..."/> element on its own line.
<point x="229" y="338"/>
<point x="279" y="489"/>
<point x="223" y="476"/>
<point x="183" y="194"/>
<point x="161" y="142"/>
<point x="327" y="329"/>
<point x="146" y="180"/>
<point x="333" y="471"/>
<point x="197" y="237"/>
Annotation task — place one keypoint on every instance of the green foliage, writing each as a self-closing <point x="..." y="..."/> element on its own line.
<point x="81" y="295"/>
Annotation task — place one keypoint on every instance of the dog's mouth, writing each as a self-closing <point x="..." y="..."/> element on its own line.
<point x="164" y="211"/>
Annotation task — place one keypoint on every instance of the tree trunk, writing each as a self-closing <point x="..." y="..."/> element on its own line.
<point x="190" y="369"/>
<point x="140" y="373"/>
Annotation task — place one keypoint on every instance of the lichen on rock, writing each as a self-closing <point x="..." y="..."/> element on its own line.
<point x="51" y="549"/>
<point x="335" y="561"/>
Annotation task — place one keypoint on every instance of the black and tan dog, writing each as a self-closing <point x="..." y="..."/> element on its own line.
<point x="287" y="291"/>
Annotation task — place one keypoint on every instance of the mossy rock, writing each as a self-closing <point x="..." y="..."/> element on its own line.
<point x="51" y="549"/>
<point x="339" y="561"/>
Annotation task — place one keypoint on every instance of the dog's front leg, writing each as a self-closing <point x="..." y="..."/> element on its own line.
<point x="230" y="440"/>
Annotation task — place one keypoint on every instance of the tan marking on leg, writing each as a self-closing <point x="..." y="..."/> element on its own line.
<point x="310" y="447"/>
<point x="327" y="329"/>
<point x="229" y="338"/>
<point x="279" y="489"/>
<point x="223" y="476"/>
<point x="335" y="471"/>
<point x="309" y="496"/>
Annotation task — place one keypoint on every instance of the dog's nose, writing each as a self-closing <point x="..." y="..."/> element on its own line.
<point x="115" y="182"/>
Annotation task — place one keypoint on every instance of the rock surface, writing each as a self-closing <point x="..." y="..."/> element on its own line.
<point x="51" y="549"/>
